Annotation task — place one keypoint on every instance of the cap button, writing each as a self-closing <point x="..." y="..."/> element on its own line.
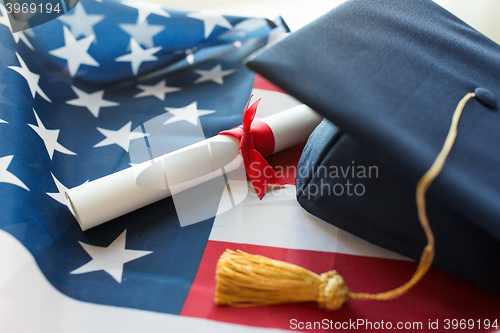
<point x="486" y="98"/>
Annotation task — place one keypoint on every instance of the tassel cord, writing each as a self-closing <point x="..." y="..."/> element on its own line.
<point x="422" y="187"/>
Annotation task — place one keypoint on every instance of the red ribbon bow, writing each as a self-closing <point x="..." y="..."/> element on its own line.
<point x="259" y="134"/>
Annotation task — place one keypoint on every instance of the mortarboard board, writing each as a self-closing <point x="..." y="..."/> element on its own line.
<point x="389" y="74"/>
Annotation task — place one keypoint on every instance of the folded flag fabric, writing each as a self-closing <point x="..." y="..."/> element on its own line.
<point x="72" y="93"/>
<point x="390" y="74"/>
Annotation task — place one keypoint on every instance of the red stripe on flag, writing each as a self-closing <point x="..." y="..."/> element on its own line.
<point x="261" y="83"/>
<point x="438" y="297"/>
<point x="285" y="162"/>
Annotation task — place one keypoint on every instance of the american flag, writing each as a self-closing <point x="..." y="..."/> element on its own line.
<point x="72" y="93"/>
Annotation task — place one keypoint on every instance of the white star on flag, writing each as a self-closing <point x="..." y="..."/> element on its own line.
<point x="8" y="177"/>
<point x="60" y="196"/>
<point x="4" y="19"/>
<point x="92" y="101"/>
<point x="30" y="77"/>
<point x="145" y="9"/>
<point x="75" y="52"/>
<point x="80" y="23"/>
<point x="111" y="258"/>
<point x="188" y="113"/>
<point x="216" y="74"/>
<point x="142" y="32"/>
<point x="121" y="137"/>
<point x="49" y="138"/>
<point x="158" y="90"/>
<point x="138" y="55"/>
<point x="189" y="52"/>
<point x="3" y="121"/>
<point x="210" y="20"/>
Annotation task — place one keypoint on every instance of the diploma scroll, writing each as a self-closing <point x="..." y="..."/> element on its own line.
<point x="106" y="198"/>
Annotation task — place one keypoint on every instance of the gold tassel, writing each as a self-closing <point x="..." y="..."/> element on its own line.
<point x="244" y="279"/>
<point x="251" y="280"/>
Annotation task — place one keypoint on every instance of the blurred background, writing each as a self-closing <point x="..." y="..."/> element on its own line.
<point x="484" y="15"/>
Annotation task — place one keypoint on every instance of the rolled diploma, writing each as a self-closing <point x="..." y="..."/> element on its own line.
<point x="106" y="198"/>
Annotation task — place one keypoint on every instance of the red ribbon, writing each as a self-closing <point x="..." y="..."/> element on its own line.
<point x="255" y="139"/>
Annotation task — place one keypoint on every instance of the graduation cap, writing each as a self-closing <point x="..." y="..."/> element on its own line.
<point x="389" y="76"/>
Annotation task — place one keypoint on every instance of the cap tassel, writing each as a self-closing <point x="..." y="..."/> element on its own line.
<point x="251" y="280"/>
<point x="244" y="279"/>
